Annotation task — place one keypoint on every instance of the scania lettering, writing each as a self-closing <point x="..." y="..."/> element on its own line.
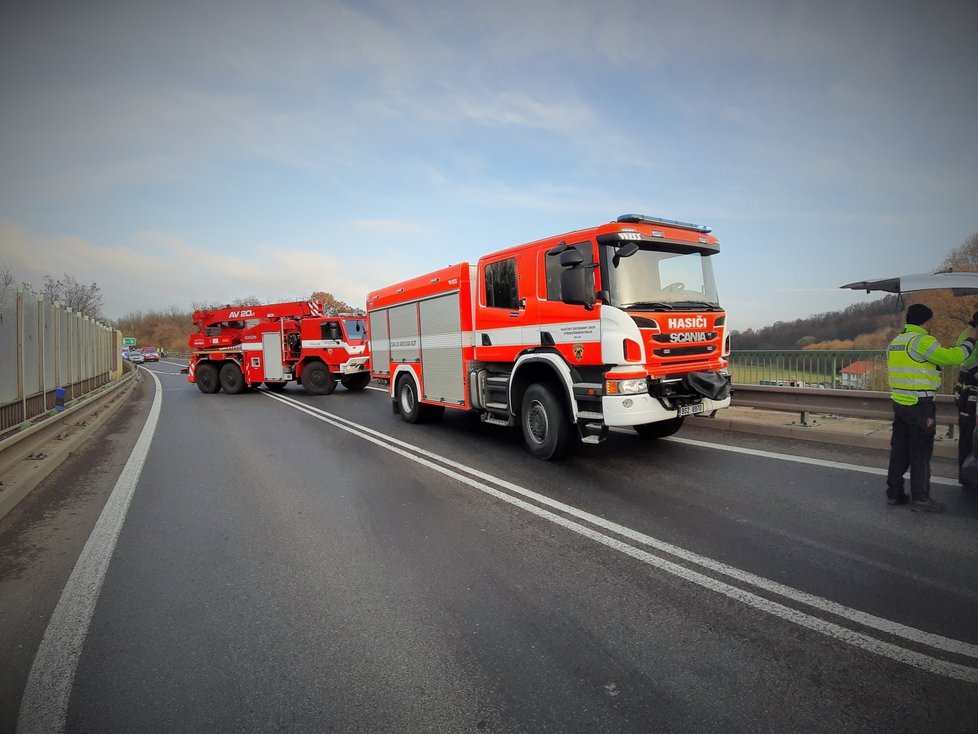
<point x="234" y="349"/>
<point x="566" y="336"/>
<point x="700" y="336"/>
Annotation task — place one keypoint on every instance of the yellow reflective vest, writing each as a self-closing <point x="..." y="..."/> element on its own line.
<point x="914" y="362"/>
<point x="970" y="365"/>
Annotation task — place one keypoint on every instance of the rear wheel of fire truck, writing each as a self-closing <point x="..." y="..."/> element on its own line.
<point x="232" y="381"/>
<point x="316" y="379"/>
<point x="413" y="410"/>
<point x="546" y="429"/>
<point x="659" y="429"/>
<point x="356" y="382"/>
<point x="206" y="378"/>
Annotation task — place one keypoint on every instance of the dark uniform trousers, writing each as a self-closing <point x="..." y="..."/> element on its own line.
<point x="965" y="393"/>
<point x="911" y="447"/>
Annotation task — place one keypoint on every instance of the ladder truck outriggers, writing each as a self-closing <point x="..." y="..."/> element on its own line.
<point x="614" y="326"/>
<point x="241" y="347"/>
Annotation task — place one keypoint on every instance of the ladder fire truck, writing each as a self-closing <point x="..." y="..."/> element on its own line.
<point x="240" y="347"/>
<point x="614" y="326"/>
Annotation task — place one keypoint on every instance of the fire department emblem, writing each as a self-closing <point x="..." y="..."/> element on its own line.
<point x="578" y="351"/>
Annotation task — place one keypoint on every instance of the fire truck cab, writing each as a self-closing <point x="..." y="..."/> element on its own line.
<point x="614" y="326"/>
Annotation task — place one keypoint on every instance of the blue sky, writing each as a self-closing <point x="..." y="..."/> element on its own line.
<point x="180" y="152"/>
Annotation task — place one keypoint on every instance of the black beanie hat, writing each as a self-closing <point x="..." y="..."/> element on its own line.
<point x="918" y="314"/>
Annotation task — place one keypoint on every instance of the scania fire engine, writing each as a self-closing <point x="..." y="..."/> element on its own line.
<point x="240" y="347"/>
<point x="614" y="326"/>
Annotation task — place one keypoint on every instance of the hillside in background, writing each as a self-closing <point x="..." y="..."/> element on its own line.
<point x="860" y="326"/>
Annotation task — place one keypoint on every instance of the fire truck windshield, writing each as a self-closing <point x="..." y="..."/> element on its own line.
<point x="355" y="328"/>
<point x="659" y="279"/>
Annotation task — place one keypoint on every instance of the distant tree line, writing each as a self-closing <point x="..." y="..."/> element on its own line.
<point x="841" y="328"/>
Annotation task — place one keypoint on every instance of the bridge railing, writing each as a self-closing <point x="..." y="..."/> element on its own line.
<point x="49" y="355"/>
<point x="819" y="369"/>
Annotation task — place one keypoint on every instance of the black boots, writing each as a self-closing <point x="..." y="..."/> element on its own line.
<point x="926" y="504"/>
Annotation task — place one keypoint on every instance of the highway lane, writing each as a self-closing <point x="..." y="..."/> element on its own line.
<point x="280" y="571"/>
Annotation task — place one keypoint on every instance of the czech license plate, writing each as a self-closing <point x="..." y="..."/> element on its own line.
<point x="691" y="409"/>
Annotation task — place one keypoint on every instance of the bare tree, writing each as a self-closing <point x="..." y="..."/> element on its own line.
<point x="952" y="313"/>
<point x="963" y="257"/>
<point x="6" y="280"/>
<point x="86" y="299"/>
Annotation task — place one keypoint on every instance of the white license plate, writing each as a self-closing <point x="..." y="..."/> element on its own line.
<point x="691" y="409"/>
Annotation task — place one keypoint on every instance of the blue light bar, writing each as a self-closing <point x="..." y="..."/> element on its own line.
<point x="643" y="219"/>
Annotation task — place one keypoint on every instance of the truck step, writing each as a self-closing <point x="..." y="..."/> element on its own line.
<point x="497" y="380"/>
<point x="592" y="432"/>
<point x="496" y="420"/>
<point x="497" y="406"/>
<point x="587" y="415"/>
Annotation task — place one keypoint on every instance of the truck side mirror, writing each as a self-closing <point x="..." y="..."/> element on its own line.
<point x="577" y="285"/>
<point x="571" y="258"/>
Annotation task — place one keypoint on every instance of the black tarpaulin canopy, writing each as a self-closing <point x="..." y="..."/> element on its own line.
<point x="961" y="284"/>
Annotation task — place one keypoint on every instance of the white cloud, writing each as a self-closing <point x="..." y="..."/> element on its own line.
<point x="158" y="270"/>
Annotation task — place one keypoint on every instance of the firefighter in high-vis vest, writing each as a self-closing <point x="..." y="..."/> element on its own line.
<point x="914" y="362"/>
<point x="966" y="399"/>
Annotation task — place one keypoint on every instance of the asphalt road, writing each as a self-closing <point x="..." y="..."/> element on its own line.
<point x="296" y="563"/>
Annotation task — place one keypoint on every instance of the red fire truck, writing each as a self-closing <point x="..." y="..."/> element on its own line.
<point x="617" y="325"/>
<point x="240" y="347"/>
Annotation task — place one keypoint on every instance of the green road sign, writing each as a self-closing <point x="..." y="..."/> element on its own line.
<point x="128" y="341"/>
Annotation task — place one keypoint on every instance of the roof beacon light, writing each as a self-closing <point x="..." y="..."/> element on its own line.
<point x="643" y="219"/>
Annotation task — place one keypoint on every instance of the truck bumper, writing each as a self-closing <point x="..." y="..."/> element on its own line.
<point x="634" y="410"/>
<point x="352" y="366"/>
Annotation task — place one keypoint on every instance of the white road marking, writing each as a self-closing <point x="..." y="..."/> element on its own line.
<point x="478" y="480"/>
<point x="44" y="706"/>
<point x="799" y="459"/>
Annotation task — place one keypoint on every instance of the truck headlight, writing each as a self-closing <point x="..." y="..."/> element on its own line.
<point x="627" y="387"/>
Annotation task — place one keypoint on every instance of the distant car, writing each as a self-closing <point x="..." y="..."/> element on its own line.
<point x="125" y="353"/>
<point x="151" y="355"/>
<point x="136" y="356"/>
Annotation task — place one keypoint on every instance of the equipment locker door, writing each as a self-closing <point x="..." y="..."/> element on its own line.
<point x="380" y="345"/>
<point x="405" y="338"/>
<point x="441" y="349"/>
<point x="271" y="345"/>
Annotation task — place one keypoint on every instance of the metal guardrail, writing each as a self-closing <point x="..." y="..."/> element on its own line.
<point x="850" y="403"/>
<point x="848" y="369"/>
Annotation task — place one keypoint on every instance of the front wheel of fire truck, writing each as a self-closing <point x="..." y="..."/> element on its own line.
<point x="206" y="378"/>
<point x="317" y="380"/>
<point x="356" y="382"/>
<point x="546" y="429"/>
<point x="659" y="429"/>
<point x="232" y="381"/>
